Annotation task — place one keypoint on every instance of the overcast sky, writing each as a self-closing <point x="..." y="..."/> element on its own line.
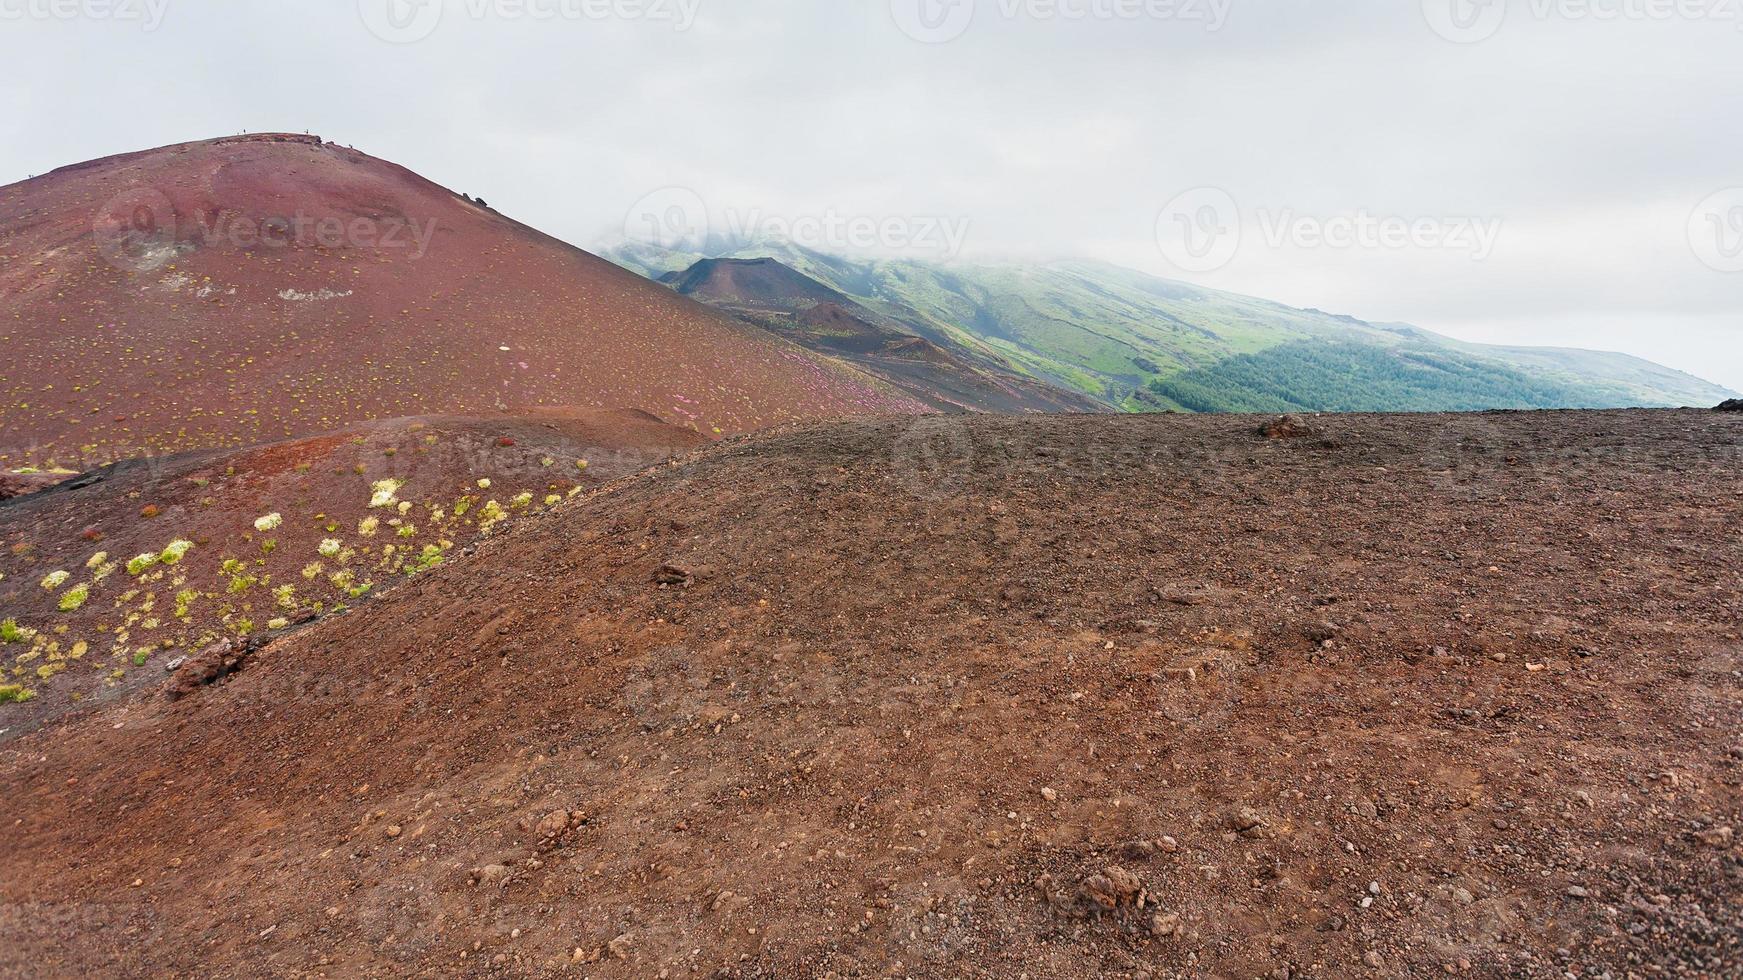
<point x="1529" y="173"/>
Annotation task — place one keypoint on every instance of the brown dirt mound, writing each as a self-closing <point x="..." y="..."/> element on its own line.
<point x="1083" y="697"/>
<point x="256" y="526"/>
<point x="239" y="291"/>
<point x="1286" y="427"/>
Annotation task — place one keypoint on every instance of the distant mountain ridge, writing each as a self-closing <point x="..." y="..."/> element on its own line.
<point x="927" y="366"/>
<point x="1136" y="342"/>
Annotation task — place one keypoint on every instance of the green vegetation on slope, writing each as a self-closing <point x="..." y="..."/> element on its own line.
<point x="1127" y="339"/>
<point x="1347" y="376"/>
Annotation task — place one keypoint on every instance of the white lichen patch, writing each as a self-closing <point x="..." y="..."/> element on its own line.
<point x="319" y="295"/>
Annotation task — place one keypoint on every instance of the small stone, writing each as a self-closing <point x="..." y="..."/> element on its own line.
<point x="1717" y="837"/>
<point x="554" y="825"/>
<point x="1575" y="891"/>
<point x="393" y="831"/>
<point x="1169" y="844"/>
<point x="1113" y="888"/>
<point x="1049" y="794"/>
<point x="1164" y="924"/>
<point x="1463" y="896"/>
<point x="618" y="949"/>
<point x="1374" y="959"/>
<point x="1139" y="850"/>
<point x="1246" y="820"/>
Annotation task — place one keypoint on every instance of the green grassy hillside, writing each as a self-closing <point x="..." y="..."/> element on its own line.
<point x="1140" y="343"/>
<point x="1349" y="376"/>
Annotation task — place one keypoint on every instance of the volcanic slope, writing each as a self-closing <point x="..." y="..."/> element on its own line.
<point x="1078" y="696"/>
<point x="129" y="568"/>
<point x="244" y="290"/>
<point x="934" y="369"/>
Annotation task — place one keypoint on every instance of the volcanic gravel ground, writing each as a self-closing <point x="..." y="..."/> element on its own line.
<point x="940" y="697"/>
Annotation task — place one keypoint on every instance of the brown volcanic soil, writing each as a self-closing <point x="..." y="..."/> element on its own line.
<point x="228" y="584"/>
<point x="1058" y="697"/>
<point x="191" y="297"/>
